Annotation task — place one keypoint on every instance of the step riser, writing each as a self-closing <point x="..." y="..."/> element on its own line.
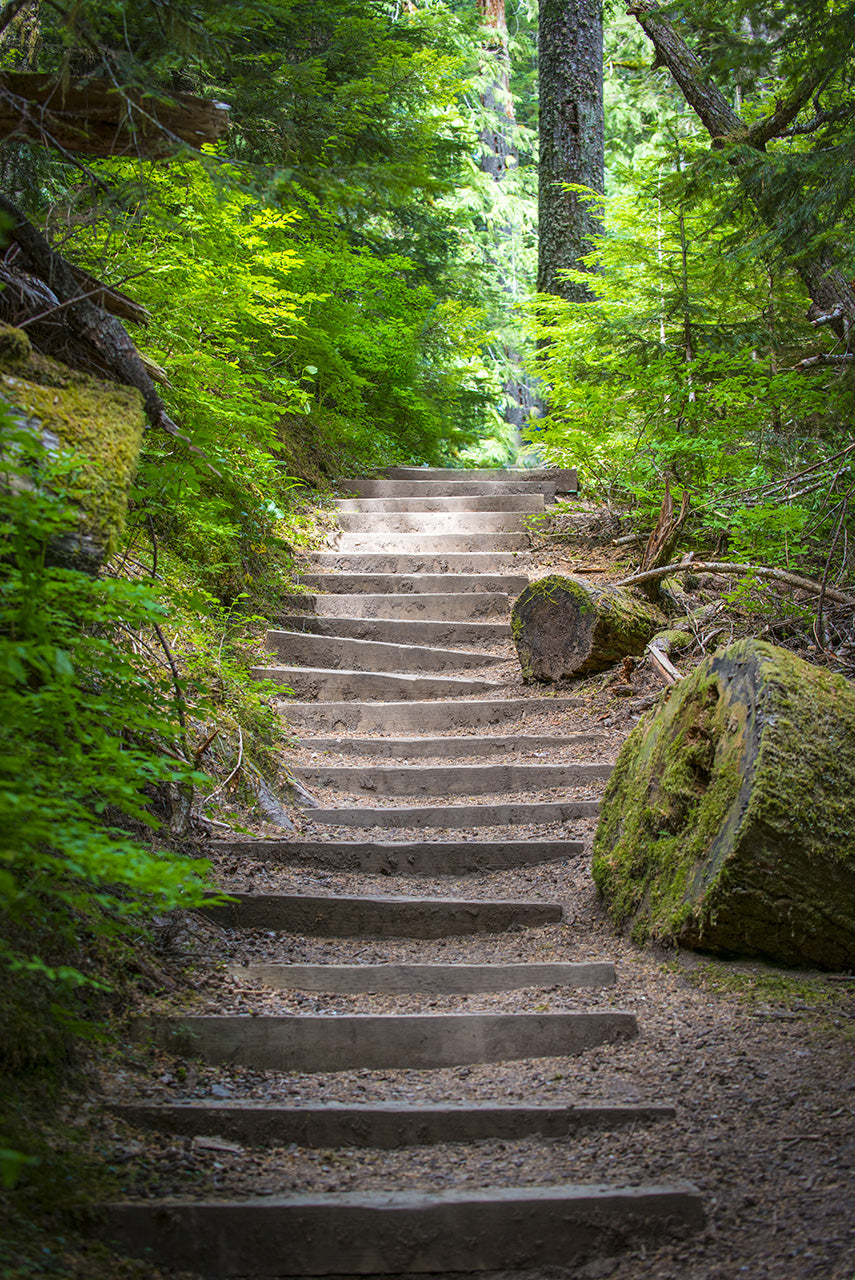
<point x="386" y="1126"/>
<point x="528" y="503"/>
<point x="353" y="1042"/>
<point x="425" y="979"/>
<point x="403" y="718"/>
<point x="370" y="655"/>
<point x="444" y="748"/>
<point x="452" y="780"/>
<point x="400" y="631"/>
<point x="439" y="858"/>
<point x="433" y="523"/>
<point x="408" y="584"/>
<point x="307" y="682"/>
<point x="380" y="917"/>
<point x="444" y="489"/>
<point x="416" y="607"/>
<point x="430" y="543"/>
<point x="384" y="1235"/>
<point x="455" y="817"/>
<point x="564" y="478"/>
<point x="381" y="562"/>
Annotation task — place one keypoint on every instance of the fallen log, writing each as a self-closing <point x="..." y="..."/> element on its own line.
<point x="563" y="627"/>
<point x="727" y="825"/>
<point x="99" y="118"/>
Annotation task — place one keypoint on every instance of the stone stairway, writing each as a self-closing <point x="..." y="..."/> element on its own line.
<point x="398" y="652"/>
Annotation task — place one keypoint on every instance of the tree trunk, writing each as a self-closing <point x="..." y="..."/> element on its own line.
<point x="562" y="627"/>
<point x="498" y="153"/>
<point x="571" y="136"/>
<point x="832" y="295"/>
<point x="727" y="823"/>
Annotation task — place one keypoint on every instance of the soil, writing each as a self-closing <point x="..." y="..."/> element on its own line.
<point x="759" y="1062"/>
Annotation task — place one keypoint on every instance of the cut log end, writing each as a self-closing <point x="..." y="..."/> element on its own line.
<point x="562" y="627"/>
<point x="727" y="824"/>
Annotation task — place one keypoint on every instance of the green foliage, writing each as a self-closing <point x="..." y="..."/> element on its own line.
<point x="677" y="368"/>
<point x="88" y="734"/>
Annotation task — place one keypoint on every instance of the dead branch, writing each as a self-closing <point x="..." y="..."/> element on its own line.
<point x="738" y="570"/>
<point x="826" y="359"/>
<point x="95" y="331"/>
<point x="662" y="664"/>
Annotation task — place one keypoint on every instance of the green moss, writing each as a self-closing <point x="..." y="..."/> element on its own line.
<point x="15" y="350"/>
<point x="99" y="423"/>
<point x="729" y="821"/>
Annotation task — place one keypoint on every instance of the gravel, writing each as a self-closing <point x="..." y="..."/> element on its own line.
<point x="761" y="1070"/>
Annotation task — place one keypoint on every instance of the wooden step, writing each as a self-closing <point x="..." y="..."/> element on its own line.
<point x="428" y="858"/>
<point x="432" y="523"/>
<point x="452" y="779"/>
<point x="432" y="979"/>
<point x="565" y="479"/>
<point x="371" y="655"/>
<point x="433" y="543"/>
<point x="407" y="584"/>
<point x="454" y="635"/>
<point x="385" y="1041"/>
<point x="445" y="748"/>
<point x="529" y="503"/>
<point x="432" y="606"/>
<point x="476" y="562"/>
<point x="401" y="1233"/>
<point x="327" y="684"/>
<point x="456" y="816"/>
<point x="339" y="916"/>
<point x="390" y="488"/>
<point x="396" y="718"/>
<point x="384" y="1125"/>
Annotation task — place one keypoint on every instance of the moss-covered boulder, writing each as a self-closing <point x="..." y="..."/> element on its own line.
<point x="563" y="627"/>
<point x="728" y="824"/>
<point x="93" y="428"/>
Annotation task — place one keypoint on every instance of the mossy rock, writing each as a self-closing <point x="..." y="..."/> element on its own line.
<point x="563" y="627"/>
<point x="99" y="425"/>
<point x="728" y="825"/>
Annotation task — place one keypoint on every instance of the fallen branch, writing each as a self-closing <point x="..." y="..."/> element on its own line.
<point x="739" y="570"/>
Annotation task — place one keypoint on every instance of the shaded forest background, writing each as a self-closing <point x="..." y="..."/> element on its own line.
<point x="345" y="279"/>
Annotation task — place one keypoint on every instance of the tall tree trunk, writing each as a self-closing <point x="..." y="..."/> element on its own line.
<point x="498" y="152"/>
<point x="571" y="136"/>
<point x="832" y="295"/>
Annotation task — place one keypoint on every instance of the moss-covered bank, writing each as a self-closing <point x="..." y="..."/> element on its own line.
<point x="97" y="425"/>
<point x="728" y="824"/>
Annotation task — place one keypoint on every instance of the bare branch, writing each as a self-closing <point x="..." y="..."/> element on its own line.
<point x="739" y="570"/>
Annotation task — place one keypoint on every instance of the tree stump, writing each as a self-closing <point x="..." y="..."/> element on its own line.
<point x="728" y="824"/>
<point x="563" y="627"/>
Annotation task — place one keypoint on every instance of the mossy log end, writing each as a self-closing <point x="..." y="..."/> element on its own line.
<point x="728" y="825"/>
<point x="563" y="627"/>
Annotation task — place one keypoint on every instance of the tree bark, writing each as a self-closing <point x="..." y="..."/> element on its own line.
<point x="563" y="627"/>
<point x="832" y="295"/>
<point x="727" y="823"/>
<point x="571" y="137"/>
